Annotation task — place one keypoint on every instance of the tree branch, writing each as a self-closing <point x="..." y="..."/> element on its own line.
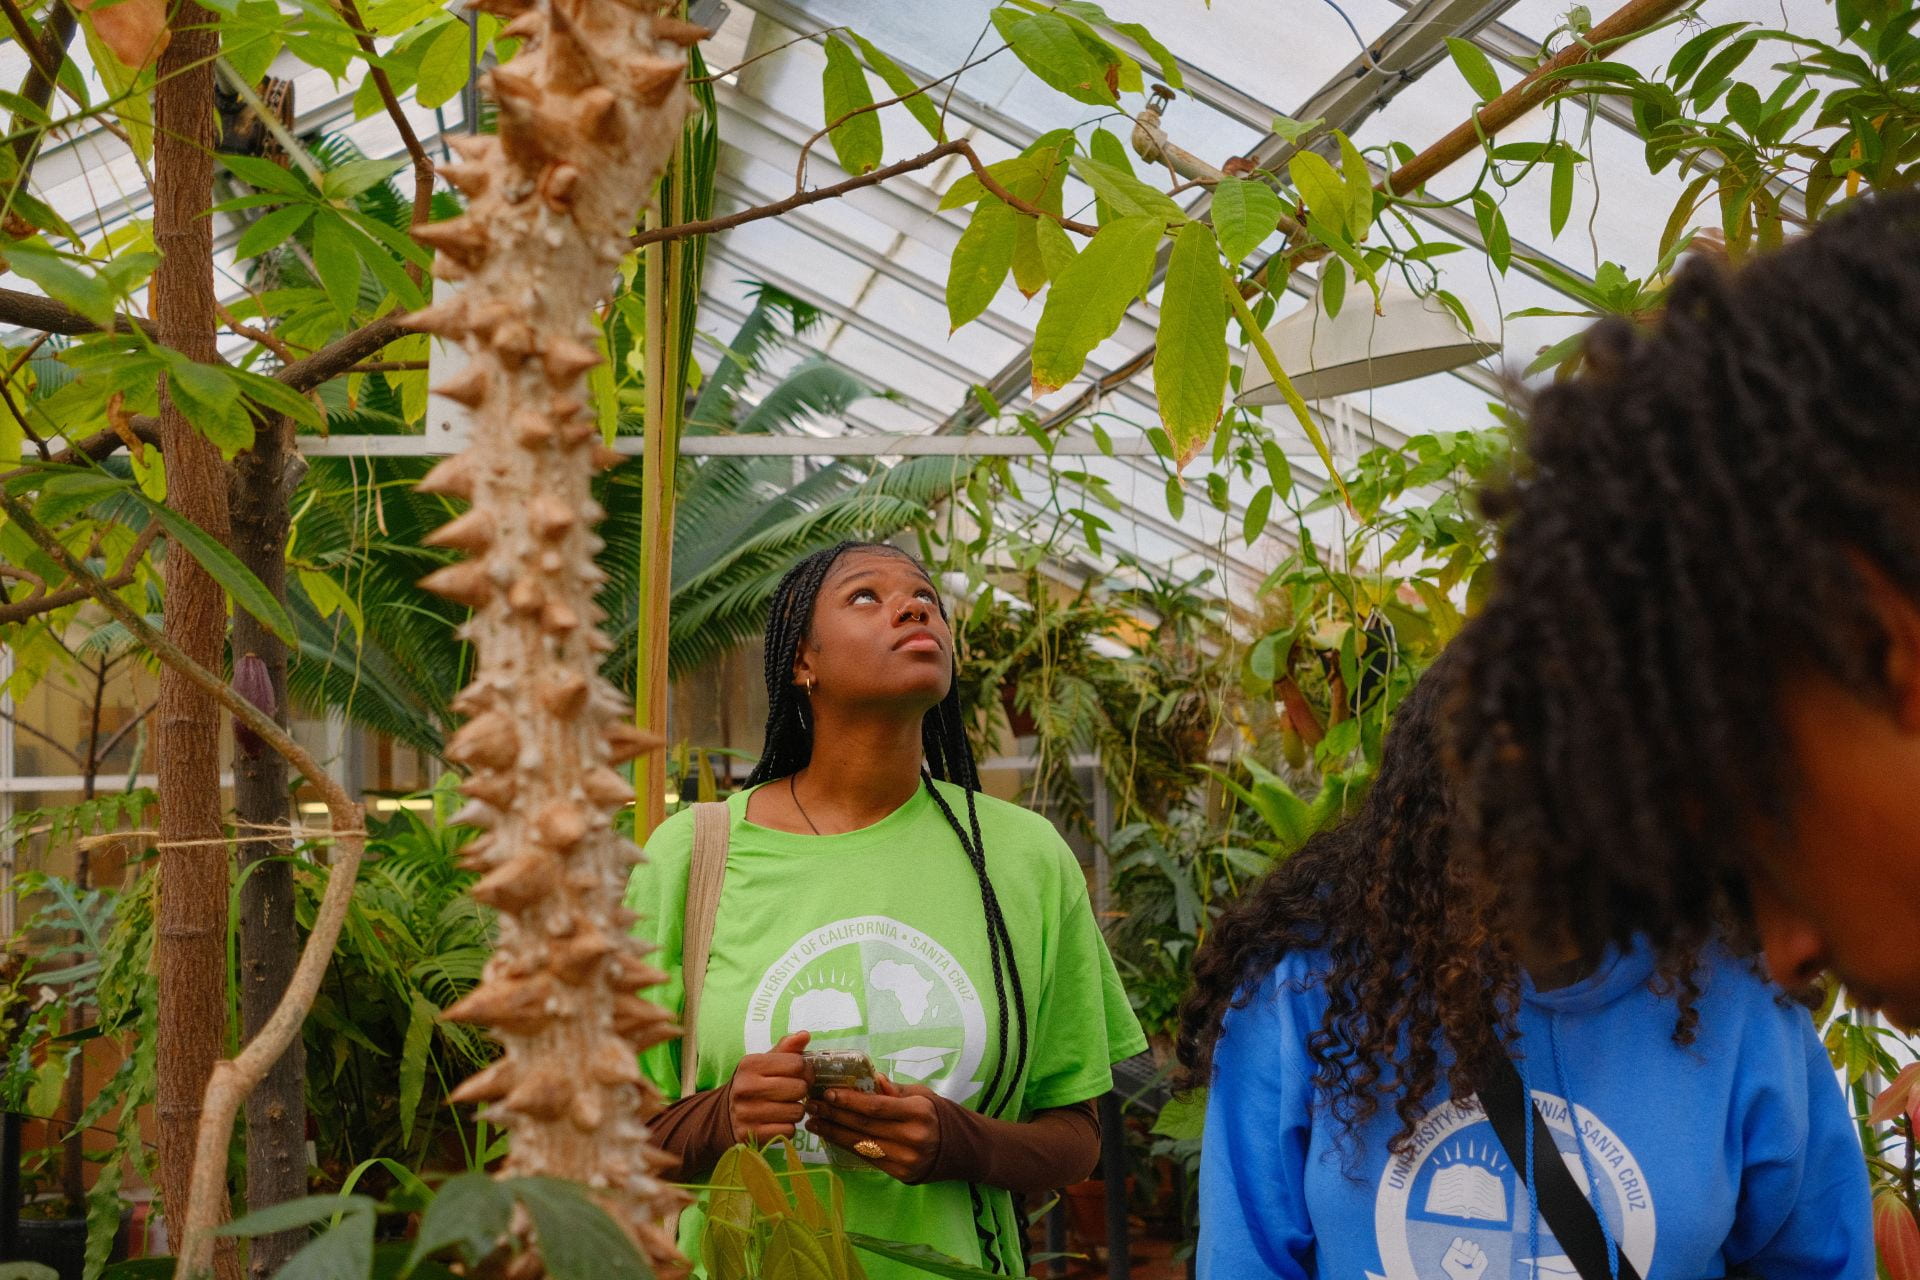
<point x="33" y="311"/>
<point x="233" y="1079"/>
<point x="37" y="88"/>
<point x="47" y="601"/>
<point x="799" y="199"/>
<point x="422" y="163"/>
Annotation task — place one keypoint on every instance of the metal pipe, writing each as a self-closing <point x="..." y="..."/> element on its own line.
<point x="1113" y="1168"/>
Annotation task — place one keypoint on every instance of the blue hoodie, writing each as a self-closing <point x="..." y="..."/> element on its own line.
<point x="1734" y="1153"/>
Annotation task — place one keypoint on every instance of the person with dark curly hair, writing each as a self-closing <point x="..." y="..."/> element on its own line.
<point x="1350" y="1011"/>
<point x="1694" y="694"/>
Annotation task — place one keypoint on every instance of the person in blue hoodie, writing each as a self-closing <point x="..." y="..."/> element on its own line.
<point x="1347" y="1010"/>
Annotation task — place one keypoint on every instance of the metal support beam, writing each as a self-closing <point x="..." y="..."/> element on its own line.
<point x="893" y="445"/>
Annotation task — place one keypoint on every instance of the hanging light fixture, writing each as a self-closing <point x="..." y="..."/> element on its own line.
<point x="1410" y="336"/>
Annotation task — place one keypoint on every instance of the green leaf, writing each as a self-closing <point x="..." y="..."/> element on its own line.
<point x="980" y="262"/>
<point x="1049" y="47"/>
<point x="793" y="1252"/>
<point x="1279" y="471"/>
<point x="1176" y="498"/>
<point x="920" y="1257"/>
<point x="1319" y="187"/>
<point x="235" y="578"/>
<point x="1244" y="214"/>
<point x="338" y="264"/>
<point x="210" y="398"/>
<point x="1088" y="299"/>
<point x="277" y="397"/>
<point x="856" y="140"/>
<point x="413" y="1056"/>
<point x="577" y="1240"/>
<point x="63" y="281"/>
<point x="1359" y="180"/>
<point x="1183" y="1117"/>
<point x="27" y="1271"/>
<point x="357" y="176"/>
<point x="272" y="231"/>
<point x="303" y="1212"/>
<point x="919" y="105"/>
<point x="1719" y="70"/>
<point x="471" y="1211"/>
<point x="1190" y="364"/>
<point x="1125" y="194"/>
<point x="1056" y="247"/>
<point x="1493" y="231"/>
<point x="1474" y="67"/>
<point x="344" y="1250"/>
<point x="443" y="66"/>
<point x="1255" y="523"/>
<point x="1333" y="287"/>
<point x="1562" y="200"/>
<point x="1291" y="130"/>
<point x="265" y="175"/>
<point x="1108" y="150"/>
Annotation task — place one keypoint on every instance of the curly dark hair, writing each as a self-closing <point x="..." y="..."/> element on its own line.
<point x="1421" y="979"/>
<point x="1681" y="545"/>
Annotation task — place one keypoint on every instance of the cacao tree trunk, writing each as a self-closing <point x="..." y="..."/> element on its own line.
<point x="269" y="940"/>
<point x="190" y="939"/>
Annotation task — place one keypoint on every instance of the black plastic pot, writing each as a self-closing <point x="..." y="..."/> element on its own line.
<point x="60" y="1243"/>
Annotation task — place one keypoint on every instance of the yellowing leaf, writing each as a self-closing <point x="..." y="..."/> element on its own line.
<point x="1320" y="187"/>
<point x="1090" y="296"/>
<point x="980" y="261"/>
<point x="1190" y="362"/>
<point x="1353" y="166"/>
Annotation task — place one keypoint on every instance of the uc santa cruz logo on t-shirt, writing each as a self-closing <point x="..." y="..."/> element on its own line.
<point x="873" y="983"/>
<point x="1453" y="1207"/>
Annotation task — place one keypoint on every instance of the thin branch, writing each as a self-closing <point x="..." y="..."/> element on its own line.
<point x="800" y="169"/>
<point x="389" y="366"/>
<point x="799" y="199"/>
<point x="47" y="601"/>
<point x="79" y="764"/>
<point x="30" y="43"/>
<point x="737" y="67"/>
<point x="119" y="735"/>
<point x="234" y="1078"/>
<point x="261" y="336"/>
<point x="422" y="163"/>
<point x="709" y="226"/>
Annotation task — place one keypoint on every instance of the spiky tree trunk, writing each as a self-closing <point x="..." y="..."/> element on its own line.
<point x="189" y="953"/>
<point x="589" y="112"/>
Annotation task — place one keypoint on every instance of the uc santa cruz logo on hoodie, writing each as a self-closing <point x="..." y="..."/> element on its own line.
<point x="1453" y="1207"/>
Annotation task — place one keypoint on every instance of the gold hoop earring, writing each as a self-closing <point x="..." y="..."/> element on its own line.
<point x="809" y="684"/>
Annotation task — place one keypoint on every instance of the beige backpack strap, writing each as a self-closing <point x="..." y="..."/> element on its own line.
<point x="705" y="876"/>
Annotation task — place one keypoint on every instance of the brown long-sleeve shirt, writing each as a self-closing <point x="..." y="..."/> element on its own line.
<point x="1057" y="1147"/>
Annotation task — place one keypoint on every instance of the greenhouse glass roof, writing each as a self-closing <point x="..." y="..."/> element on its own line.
<point x="875" y="261"/>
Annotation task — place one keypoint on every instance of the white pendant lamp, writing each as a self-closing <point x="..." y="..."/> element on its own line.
<point x="1410" y="337"/>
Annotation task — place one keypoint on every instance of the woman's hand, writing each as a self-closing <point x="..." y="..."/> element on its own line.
<point x="903" y="1122"/>
<point x="769" y="1091"/>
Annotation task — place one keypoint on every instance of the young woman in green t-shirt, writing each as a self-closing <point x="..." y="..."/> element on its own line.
<point x="875" y="900"/>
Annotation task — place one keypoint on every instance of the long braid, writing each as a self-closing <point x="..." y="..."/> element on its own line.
<point x="948" y="758"/>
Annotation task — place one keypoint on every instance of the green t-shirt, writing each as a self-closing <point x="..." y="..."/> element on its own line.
<point x="875" y="940"/>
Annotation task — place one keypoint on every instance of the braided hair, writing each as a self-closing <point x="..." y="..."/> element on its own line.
<point x="948" y="757"/>
<point x="1682" y="545"/>
<point x="1422" y="983"/>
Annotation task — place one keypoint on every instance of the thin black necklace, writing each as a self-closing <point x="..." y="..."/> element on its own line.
<point x="795" y="793"/>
